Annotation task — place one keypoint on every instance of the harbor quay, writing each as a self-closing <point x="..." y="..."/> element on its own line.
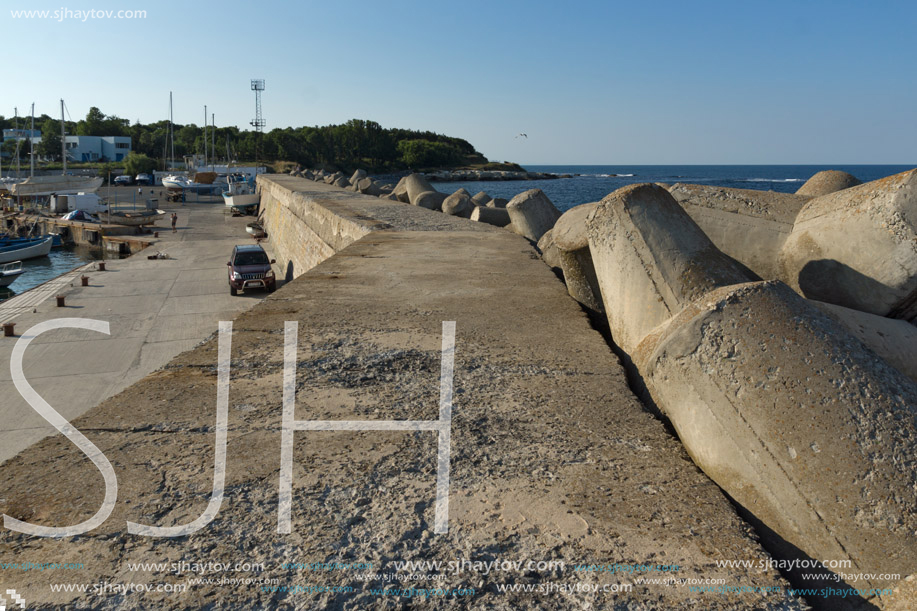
<point x="155" y="309"/>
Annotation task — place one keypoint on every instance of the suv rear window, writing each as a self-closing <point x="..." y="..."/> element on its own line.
<point x="251" y="258"/>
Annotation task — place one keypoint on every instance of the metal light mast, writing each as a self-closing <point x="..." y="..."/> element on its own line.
<point x="258" y="123"/>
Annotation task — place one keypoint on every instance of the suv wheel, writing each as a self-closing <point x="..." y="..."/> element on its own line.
<point x="233" y="291"/>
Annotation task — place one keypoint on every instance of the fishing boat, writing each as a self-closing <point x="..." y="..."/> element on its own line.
<point x="135" y="219"/>
<point x="29" y="250"/>
<point x="9" y="273"/>
<point x="240" y="192"/>
<point x="9" y="241"/>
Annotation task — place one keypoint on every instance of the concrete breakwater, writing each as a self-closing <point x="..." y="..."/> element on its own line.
<point x="553" y="460"/>
<point x="679" y="278"/>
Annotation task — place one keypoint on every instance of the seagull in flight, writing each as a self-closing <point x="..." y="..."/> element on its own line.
<point x="526" y="136"/>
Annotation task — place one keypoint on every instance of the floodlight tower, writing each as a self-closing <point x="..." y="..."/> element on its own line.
<point x="258" y="123"/>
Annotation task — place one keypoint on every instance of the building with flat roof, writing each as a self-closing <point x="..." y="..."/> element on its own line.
<point x="97" y="148"/>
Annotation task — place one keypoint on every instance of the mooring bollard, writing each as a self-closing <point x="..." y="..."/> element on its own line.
<point x="155" y="234"/>
<point x="8" y="329"/>
<point x="101" y="266"/>
<point x="60" y="301"/>
<point x="85" y="280"/>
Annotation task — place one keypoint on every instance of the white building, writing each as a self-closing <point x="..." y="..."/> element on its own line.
<point x="97" y="148"/>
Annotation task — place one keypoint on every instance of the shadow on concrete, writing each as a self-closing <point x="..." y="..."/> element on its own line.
<point x="834" y="282"/>
<point x="780" y="548"/>
<point x="288" y="275"/>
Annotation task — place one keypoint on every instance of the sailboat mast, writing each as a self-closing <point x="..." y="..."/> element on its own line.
<point x="16" y="126"/>
<point x="63" y="139"/>
<point x="213" y="140"/>
<point x="205" y="135"/>
<point x="32" y="144"/>
<point x="171" y="133"/>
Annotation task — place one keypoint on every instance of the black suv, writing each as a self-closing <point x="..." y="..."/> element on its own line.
<point x="249" y="267"/>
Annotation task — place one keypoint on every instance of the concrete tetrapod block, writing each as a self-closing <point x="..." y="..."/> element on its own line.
<point x="492" y="216"/>
<point x="532" y="213"/>
<point x="799" y="423"/>
<point x="572" y="243"/>
<point x="415" y="184"/>
<point x="749" y="226"/>
<point x="368" y="186"/>
<point x="357" y="176"/>
<point x="549" y="252"/>
<point x="892" y="339"/>
<point x="651" y="260"/>
<point x="497" y="202"/>
<point x="431" y="200"/>
<point x="858" y="248"/>
<point x="828" y="181"/>
<point x="459" y="204"/>
<point x="401" y="191"/>
<point x="481" y="198"/>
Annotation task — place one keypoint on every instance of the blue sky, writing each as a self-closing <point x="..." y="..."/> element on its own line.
<point x="588" y="82"/>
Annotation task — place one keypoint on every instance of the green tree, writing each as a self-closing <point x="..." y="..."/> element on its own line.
<point x="93" y="124"/>
<point x="50" y="145"/>
<point x="424" y="153"/>
<point x="138" y="163"/>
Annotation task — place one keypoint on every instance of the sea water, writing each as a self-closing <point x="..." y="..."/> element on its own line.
<point x="41" y="269"/>
<point x="590" y="183"/>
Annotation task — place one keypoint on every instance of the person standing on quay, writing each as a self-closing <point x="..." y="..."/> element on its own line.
<point x="174" y="220"/>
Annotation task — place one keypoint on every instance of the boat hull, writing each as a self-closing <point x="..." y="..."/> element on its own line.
<point x="135" y="219"/>
<point x="59" y="185"/>
<point x="20" y="253"/>
<point x="241" y="200"/>
<point x="9" y="273"/>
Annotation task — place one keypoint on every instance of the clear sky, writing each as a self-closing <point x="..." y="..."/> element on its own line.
<point x="593" y="82"/>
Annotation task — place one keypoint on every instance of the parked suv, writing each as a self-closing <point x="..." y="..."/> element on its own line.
<point x="249" y="267"/>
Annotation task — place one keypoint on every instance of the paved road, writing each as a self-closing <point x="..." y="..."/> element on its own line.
<point x="156" y="310"/>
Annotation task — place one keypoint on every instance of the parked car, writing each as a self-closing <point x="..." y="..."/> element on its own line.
<point x="123" y="180"/>
<point x="144" y="179"/>
<point x="249" y="267"/>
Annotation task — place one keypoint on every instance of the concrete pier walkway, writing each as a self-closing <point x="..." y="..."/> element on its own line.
<point x="155" y="309"/>
<point x="552" y="458"/>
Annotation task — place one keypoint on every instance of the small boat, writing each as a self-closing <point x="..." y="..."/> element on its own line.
<point x="135" y="219"/>
<point x="28" y="250"/>
<point x="255" y="230"/>
<point x="9" y="273"/>
<point x="241" y="193"/>
<point x="9" y="241"/>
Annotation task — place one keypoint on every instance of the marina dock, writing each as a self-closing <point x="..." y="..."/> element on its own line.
<point x="156" y="309"/>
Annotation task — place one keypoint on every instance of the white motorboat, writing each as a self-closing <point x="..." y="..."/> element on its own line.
<point x="240" y="193"/>
<point x="29" y="250"/>
<point x="177" y="181"/>
<point x="9" y="273"/>
<point x="135" y="219"/>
